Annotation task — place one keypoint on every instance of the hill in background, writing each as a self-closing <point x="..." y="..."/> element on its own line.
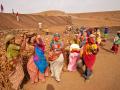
<point x="59" y="18"/>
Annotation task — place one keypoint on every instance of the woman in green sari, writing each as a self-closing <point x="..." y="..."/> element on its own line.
<point x="13" y="56"/>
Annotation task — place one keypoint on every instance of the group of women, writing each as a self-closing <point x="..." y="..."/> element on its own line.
<point x="37" y="66"/>
<point x="83" y="49"/>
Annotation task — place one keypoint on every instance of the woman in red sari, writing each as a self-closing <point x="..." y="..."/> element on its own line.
<point x="89" y="56"/>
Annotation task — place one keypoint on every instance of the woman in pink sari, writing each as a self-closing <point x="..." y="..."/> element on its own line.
<point x="73" y="57"/>
<point x="32" y="70"/>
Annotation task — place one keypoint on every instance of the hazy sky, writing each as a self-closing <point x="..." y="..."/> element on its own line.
<point x="32" y="6"/>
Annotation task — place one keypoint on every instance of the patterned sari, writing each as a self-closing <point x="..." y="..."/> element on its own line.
<point x="37" y="65"/>
<point x="88" y="56"/>
<point x="40" y="60"/>
<point x="57" y="64"/>
<point x="15" y="60"/>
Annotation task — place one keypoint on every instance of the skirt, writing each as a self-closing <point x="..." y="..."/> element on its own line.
<point x="56" y="67"/>
<point x="73" y="58"/>
<point x="17" y="76"/>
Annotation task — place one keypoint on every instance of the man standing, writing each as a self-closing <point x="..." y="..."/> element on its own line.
<point x="2" y="9"/>
<point x="13" y="11"/>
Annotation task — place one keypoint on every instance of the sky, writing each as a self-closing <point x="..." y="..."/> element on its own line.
<point x="70" y="6"/>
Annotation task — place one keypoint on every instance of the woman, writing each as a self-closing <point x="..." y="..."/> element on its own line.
<point x="14" y="58"/>
<point x="73" y="57"/>
<point x="89" y="56"/>
<point x="56" y="57"/>
<point x="83" y="39"/>
<point x="116" y="43"/>
<point x="98" y="37"/>
<point x="78" y="37"/>
<point x="37" y="65"/>
<point x="106" y="33"/>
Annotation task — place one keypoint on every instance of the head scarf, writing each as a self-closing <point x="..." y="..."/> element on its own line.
<point x="53" y="42"/>
<point x="38" y="37"/>
<point x="56" y="35"/>
<point x="7" y="39"/>
<point x="91" y="40"/>
<point x="41" y="43"/>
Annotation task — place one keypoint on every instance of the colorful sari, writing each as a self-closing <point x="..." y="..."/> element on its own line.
<point x="83" y="39"/>
<point x="37" y="65"/>
<point x="106" y="34"/>
<point x="88" y="56"/>
<point x="56" y="67"/>
<point x="17" y="76"/>
<point x="116" y="43"/>
<point x="98" y="40"/>
<point x="32" y="70"/>
<point x="40" y="60"/>
<point x="57" y="64"/>
<point x="73" y="57"/>
<point x="16" y="62"/>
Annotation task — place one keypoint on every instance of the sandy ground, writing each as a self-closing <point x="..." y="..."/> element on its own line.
<point x="106" y="75"/>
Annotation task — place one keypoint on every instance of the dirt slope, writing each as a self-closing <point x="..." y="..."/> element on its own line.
<point x="52" y="13"/>
<point x="59" y="18"/>
<point x="8" y="21"/>
<point x="97" y="19"/>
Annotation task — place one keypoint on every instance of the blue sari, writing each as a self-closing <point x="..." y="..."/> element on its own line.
<point x="40" y="60"/>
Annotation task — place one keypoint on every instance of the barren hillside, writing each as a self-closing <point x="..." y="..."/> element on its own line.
<point x="8" y="21"/>
<point x="111" y="18"/>
<point x="51" y="19"/>
<point x="52" y="13"/>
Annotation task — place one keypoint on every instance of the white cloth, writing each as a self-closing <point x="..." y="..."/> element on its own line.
<point x="116" y="38"/>
<point x="40" y="25"/>
<point x="18" y="18"/>
<point x="74" y="46"/>
<point x="56" y="67"/>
